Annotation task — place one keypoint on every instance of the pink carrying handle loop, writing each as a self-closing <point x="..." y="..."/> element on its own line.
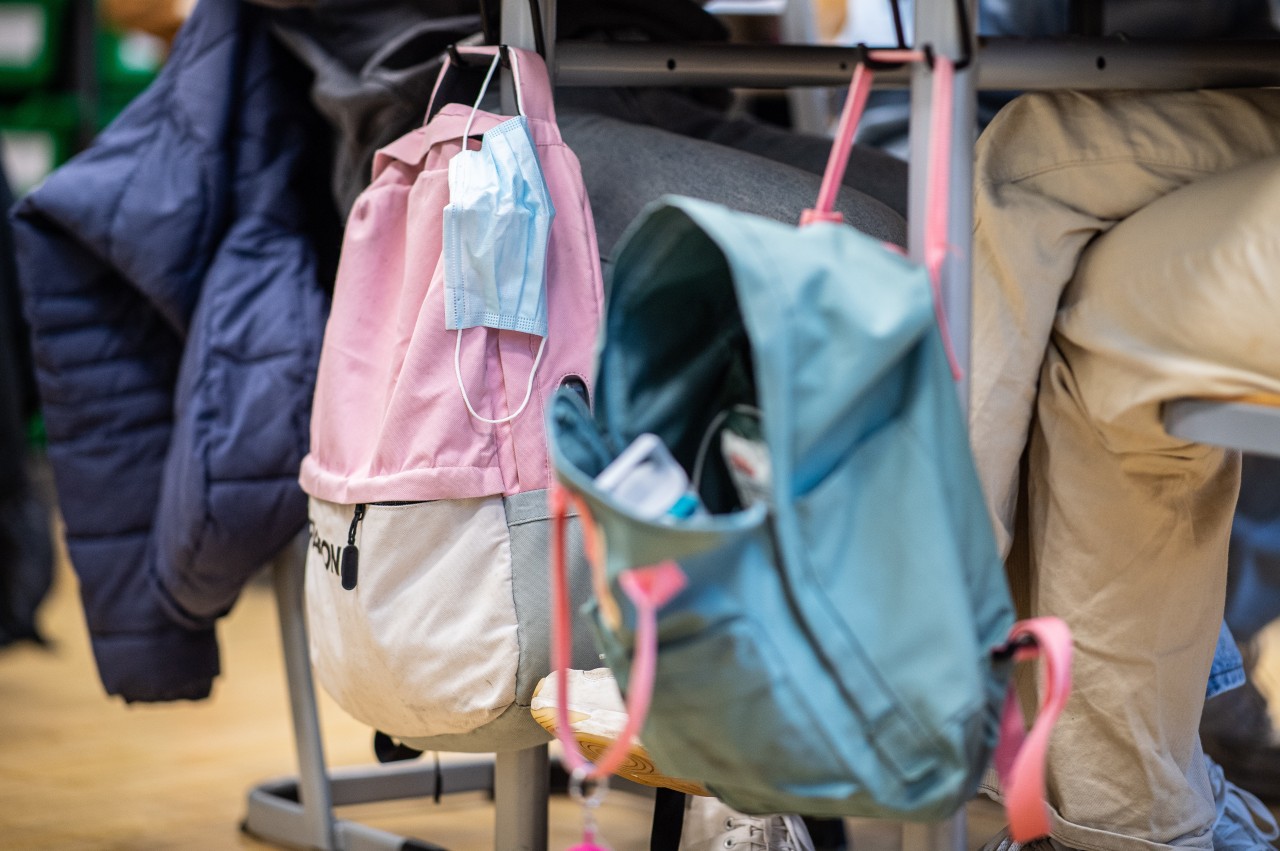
<point x="533" y="85"/>
<point x="838" y="160"/>
<point x="1020" y="756"/>
<point x="648" y="588"/>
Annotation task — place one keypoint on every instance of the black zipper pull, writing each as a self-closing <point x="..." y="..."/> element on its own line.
<point x="351" y="555"/>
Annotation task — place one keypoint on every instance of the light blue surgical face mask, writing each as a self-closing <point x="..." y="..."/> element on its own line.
<point x="496" y="229"/>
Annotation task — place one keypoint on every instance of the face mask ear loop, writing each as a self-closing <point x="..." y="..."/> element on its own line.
<point x="528" y="391"/>
<point x="484" y="87"/>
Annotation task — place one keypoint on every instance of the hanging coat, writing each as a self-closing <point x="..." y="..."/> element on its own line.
<point x="173" y="285"/>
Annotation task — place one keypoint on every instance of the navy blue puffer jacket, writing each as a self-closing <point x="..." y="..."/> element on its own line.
<point x="173" y="284"/>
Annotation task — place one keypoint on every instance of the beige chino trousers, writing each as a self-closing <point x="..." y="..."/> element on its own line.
<point x="1126" y="253"/>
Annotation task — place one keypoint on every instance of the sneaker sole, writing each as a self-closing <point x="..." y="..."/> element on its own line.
<point x="637" y="767"/>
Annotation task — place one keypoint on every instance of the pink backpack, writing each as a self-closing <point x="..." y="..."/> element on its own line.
<point x="429" y="522"/>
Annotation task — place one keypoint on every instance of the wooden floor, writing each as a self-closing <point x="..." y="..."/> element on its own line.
<point x="79" y="771"/>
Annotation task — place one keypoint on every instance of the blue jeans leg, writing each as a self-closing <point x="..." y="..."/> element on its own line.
<point x="1228" y="666"/>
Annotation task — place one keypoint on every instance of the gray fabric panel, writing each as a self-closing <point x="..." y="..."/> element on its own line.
<point x="871" y="172"/>
<point x="530" y="521"/>
<point x="626" y="166"/>
<point x="513" y="730"/>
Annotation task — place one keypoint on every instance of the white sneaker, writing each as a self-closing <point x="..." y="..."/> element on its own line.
<point x="597" y="716"/>
<point x="710" y="825"/>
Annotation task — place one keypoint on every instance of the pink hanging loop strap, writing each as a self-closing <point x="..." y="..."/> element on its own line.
<point x="854" y="104"/>
<point x="939" y="170"/>
<point x="648" y="588"/>
<point x="1020" y="756"/>
<point x="838" y="160"/>
<point x="935" y="222"/>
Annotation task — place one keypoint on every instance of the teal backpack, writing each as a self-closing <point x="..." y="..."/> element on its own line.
<point x="840" y="643"/>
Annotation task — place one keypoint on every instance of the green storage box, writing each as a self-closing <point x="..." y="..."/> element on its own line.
<point x="127" y="63"/>
<point x="128" y="60"/>
<point x="30" y="42"/>
<point x="37" y="135"/>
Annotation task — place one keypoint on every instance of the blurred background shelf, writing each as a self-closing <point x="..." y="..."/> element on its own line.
<point x="66" y="71"/>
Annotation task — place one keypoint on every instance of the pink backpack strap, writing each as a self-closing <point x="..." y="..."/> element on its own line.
<point x="935" y="228"/>
<point x="854" y="104"/>
<point x="935" y="221"/>
<point x="1020" y="756"/>
<point x="648" y="588"/>
<point x="838" y="159"/>
<point x="533" y="85"/>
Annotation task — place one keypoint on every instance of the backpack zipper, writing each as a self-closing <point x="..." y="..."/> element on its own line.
<point x="351" y="555"/>
<point x="349" y="568"/>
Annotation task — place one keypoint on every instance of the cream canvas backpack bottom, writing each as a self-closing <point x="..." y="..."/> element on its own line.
<point x="444" y="636"/>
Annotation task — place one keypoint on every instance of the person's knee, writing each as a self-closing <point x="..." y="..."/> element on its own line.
<point x="1186" y="290"/>
<point x="1176" y="136"/>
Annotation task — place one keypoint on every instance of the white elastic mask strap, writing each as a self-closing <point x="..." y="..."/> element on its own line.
<point x="484" y="87"/>
<point x="528" y="391"/>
